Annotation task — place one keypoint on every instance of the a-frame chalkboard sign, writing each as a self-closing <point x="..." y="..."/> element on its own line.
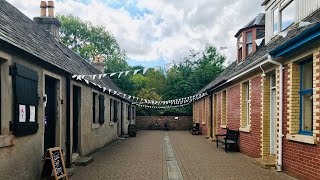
<point x="54" y="163"/>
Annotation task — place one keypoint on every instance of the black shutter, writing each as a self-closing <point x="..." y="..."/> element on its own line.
<point x="115" y="108"/>
<point x="101" y="109"/>
<point x="25" y="92"/>
<point x="129" y="112"/>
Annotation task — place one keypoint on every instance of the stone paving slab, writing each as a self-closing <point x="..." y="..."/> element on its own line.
<point x="201" y="159"/>
<point x="144" y="157"/>
<point x="137" y="158"/>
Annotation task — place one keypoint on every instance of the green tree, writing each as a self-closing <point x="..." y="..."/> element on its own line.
<point x="88" y="40"/>
<point x="187" y="78"/>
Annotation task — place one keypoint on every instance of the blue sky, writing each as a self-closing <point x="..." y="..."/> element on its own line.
<point x="158" y="32"/>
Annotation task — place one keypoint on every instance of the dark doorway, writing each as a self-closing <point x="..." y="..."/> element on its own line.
<point x="76" y="116"/>
<point x="50" y="113"/>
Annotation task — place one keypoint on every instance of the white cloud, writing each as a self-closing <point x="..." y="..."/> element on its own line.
<point x="172" y="28"/>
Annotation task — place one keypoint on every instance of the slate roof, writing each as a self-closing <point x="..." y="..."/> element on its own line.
<point x="256" y="57"/>
<point x="20" y="31"/>
<point x="259" y="20"/>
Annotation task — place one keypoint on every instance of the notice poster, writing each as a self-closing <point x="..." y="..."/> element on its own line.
<point x="22" y="113"/>
<point x="32" y="114"/>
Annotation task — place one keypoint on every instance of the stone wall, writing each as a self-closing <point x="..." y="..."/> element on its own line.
<point x="147" y="122"/>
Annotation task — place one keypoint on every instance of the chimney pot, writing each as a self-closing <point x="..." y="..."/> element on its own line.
<point x="43" y="9"/>
<point x="101" y="59"/>
<point x="50" y="8"/>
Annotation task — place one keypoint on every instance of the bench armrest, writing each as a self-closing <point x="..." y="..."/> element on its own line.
<point x="226" y="138"/>
<point x="220" y="135"/>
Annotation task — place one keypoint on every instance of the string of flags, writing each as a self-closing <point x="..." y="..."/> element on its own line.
<point x="147" y="102"/>
<point x="161" y="107"/>
<point x="168" y="66"/>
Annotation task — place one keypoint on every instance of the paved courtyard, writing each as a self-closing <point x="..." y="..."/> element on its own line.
<point x="152" y="154"/>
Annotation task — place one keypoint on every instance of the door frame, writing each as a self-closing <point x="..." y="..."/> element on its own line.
<point x="58" y="87"/>
<point x="273" y="103"/>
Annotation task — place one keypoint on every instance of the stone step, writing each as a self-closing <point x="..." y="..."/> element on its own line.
<point x="83" y="161"/>
<point x="266" y="163"/>
<point x="71" y="171"/>
<point x="75" y="156"/>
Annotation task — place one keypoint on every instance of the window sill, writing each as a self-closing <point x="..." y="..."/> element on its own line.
<point x="6" y="140"/>
<point x="301" y="138"/>
<point x="203" y="123"/>
<point x="95" y="126"/>
<point x="245" y="129"/>
<point x="223" y="126"/>
<point x="111" y="123"/>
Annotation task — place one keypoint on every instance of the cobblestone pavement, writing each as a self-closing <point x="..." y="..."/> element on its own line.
<point x="137" y="158"/>
<point x="201" y="159"/>
<point x="143" y="157"/>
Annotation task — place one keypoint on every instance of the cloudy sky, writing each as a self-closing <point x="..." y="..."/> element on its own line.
<point x="154" y="32"/>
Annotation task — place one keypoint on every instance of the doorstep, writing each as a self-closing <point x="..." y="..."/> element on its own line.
<point x="83" y="161"/>
<point x="71" y="171"/>
<point x="266" y="162"/>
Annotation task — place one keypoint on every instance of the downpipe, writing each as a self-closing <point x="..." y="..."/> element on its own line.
<point x="280" y="136"/>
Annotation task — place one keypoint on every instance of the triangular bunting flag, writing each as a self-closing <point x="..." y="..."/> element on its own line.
<point x="136" y="71"/>
<point x="145" y="70"/>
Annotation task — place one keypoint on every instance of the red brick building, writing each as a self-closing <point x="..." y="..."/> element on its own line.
<point x="271" y="93"/>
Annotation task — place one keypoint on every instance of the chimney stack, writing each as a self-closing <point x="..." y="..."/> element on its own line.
<point x="50" y="9"/>
<point x="43" y="9"/>
<point x="98" y="63"/>
<point x="49" y="23"/>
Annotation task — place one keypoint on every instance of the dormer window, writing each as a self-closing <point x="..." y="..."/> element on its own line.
<point x="249" y="43"/>
<point x="283" y="16"/>
<point x="287" y="14"/>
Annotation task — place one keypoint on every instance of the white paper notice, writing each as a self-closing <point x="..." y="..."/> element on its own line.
<point x="32" y="114"/>
<point x="22" y="113"/>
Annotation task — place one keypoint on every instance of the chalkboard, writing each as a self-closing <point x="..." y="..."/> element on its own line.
<point x="54" y="163"/>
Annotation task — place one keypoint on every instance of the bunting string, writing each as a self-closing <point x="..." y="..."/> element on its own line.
<point x="147" y="103"/>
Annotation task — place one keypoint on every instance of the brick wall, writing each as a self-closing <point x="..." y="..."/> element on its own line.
<point x="300" y="159"/>
<point x="147" y="122"/>
<point x="250" y="143"/>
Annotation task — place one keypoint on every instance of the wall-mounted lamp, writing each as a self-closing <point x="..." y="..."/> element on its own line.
<point x="263" y="74"/>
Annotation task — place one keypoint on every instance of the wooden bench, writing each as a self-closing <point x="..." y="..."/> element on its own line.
<point x="230" y="140"/>
<point x="195" y="128"/>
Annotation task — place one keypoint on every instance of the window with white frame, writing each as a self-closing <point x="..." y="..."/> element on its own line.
<point x="283" y="16"/>
<point x="275" y="20"/>
<point x="224" y="108"/>
<point x="247" y="103"/>
<point x="306" y="102"/>
<point x="287" y="14"/>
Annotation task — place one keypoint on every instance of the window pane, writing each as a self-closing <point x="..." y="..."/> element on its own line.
<point x="249" y="37"/>
<point x="307" y="112"/>
<point x="287" y="16"/>
<point x="249" y="49"/>
<point x="273" y="80"/>
<point x="275" y="20"/>
<point x="307" y="76"/>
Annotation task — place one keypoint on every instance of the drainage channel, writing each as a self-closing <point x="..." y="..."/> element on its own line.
<point x="172" y="164"/>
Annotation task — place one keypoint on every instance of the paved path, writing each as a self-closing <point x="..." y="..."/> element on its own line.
<point x="144" y="157"/>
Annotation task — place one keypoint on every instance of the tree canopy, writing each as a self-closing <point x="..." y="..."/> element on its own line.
<point x="184" y="79"/>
